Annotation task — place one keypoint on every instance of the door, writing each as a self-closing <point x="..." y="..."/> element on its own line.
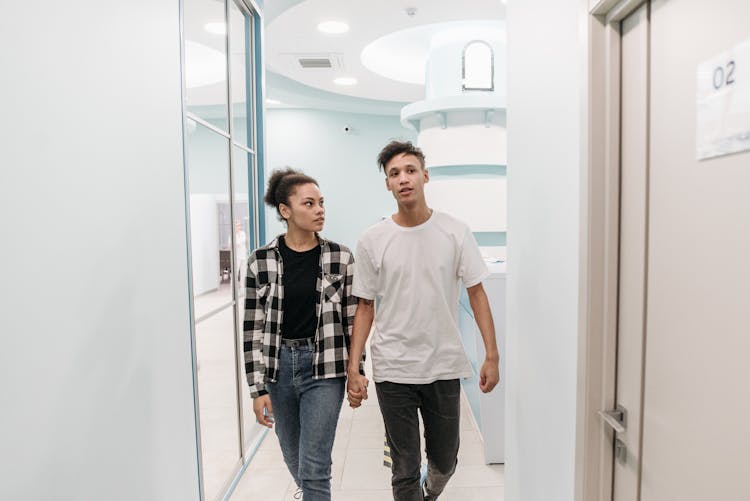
<point x="632" y="250"/>
<point x="684" y="280"/>
<point x="696" y="398"/>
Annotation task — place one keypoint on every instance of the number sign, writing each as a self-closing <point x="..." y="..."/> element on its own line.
<point x="723" y="107"/>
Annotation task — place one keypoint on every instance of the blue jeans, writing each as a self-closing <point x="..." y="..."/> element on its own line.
<point x="306" y="412"/>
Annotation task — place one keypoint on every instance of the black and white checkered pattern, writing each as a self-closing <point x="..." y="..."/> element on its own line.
<point x="264" y="314"/>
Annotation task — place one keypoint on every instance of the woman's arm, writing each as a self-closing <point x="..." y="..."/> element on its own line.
<point x="252" y="331"/>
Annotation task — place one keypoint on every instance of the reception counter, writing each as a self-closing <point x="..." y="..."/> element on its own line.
<point x="488" y="409"/>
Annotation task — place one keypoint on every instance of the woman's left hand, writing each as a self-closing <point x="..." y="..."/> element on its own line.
<point x="263" y="410"/>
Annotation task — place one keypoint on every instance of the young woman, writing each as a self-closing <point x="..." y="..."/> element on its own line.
<point x="298" y="318"/>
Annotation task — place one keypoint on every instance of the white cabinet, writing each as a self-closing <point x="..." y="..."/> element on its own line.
<point x="488" y="408"/>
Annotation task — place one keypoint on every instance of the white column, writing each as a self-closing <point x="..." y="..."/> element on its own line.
<point x="547" y="62"/>
<point x="461" y="129"/>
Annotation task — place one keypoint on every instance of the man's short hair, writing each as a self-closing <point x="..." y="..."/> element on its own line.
<point x="397" y="148"/>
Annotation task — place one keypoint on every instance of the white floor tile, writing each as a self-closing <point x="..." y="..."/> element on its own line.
<point x="364" y="470"/>
<point x="358" y="473"/>
<point x="478" y="476"/>
<point x="267" y="483"/>
<point x="472" y="494"/>
<point x="378" y="495"/>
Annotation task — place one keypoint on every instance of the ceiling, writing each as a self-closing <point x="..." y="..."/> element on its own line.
<point x="395" y="46"/>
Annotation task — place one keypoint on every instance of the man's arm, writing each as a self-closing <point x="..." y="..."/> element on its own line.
<point x="356" y="383"/>
<point x="489" y="374"/>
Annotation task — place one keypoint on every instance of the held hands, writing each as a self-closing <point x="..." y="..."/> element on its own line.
<point x="489" y="375"/>
<point x="263" y="410"/>
<point x="356" y="389"/>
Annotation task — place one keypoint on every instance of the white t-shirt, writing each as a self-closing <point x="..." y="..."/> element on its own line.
<point x="415" y="273"/>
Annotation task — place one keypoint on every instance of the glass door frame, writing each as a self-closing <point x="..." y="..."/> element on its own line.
<point x="254" y="98"/>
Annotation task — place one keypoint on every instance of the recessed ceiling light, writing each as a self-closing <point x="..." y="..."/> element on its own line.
<point x="272" y="101"/>
<point x="333" y="27"/>
<point x="345" y="81"/>
<point x="216" y="28"/>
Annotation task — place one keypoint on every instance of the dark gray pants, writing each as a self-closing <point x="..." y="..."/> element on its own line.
<point x="440" y="406"/>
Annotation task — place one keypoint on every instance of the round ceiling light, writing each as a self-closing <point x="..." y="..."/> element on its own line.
<point x="272" y="101"/>
<point x="333" y="27"/>
<point x="345" y="81"/>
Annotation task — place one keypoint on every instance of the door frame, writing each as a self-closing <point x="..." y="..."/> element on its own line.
<point x="600" y="214"/>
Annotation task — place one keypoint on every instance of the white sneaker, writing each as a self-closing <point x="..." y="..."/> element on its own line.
<point x="298" y="493"/>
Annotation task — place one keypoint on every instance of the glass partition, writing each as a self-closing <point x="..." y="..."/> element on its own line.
<point x="241" y="62"/>
<point x="212" y="271"/>
<point x="210" y="222"/>
<point x="242" y="162"/>
<point x="243" y="224"/>
<point x="217" y="397"/>
<point x="221" y="171"/>
<point x="206" y="60"/>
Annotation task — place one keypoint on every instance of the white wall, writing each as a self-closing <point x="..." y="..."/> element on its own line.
<point x="345" y="165"/>
<point x="546" y="56"/>
<point x="96" y="385"/>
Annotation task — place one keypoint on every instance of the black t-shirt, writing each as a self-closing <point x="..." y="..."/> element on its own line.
<point x="301" y="272"/>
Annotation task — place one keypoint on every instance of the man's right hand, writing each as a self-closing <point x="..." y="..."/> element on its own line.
<point x="356" y="389"/>
<point x="263" y="410"/>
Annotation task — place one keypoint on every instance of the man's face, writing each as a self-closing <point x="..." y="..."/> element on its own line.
<point x="405" y="178"/>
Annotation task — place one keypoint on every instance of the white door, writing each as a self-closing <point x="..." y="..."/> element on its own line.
<point x="684" y="307"/>
<point x="632" y="268"/>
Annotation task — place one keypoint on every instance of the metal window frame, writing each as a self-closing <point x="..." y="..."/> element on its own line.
<point x="254" y="93"/>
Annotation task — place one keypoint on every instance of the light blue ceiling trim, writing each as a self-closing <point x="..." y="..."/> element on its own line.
<point x="443" y="118"/>
<point x="294" y="94"/>
<point x="464" y="171"/>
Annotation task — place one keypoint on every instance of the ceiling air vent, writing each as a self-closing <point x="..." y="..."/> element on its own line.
<point x="315" y="62"/>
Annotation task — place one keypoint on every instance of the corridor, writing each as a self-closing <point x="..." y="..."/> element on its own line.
<point x="358" y="473"/>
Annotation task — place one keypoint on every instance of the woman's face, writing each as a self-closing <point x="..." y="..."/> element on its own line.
<point x="305" y="210"/>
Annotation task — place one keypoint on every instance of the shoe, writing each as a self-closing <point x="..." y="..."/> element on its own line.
<point x="427" y="497"/>
<point x="298" y="493"/>
<point x="422" y="481"/>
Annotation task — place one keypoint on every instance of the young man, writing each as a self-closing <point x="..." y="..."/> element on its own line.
<point x="413" y="263"/>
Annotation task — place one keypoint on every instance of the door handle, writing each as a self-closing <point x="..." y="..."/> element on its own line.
<point x="615" y="418"/>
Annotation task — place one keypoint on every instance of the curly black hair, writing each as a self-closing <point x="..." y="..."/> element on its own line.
<point x="282" y="184"/>
<point x="396" y="148"/>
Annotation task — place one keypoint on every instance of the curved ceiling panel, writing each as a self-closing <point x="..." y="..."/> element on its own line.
<point x="292" y="36"/>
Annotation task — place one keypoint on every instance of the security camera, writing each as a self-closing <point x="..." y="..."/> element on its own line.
<point x="348" y="129"/>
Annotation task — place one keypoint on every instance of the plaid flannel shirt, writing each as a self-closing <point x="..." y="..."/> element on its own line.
<point x="264" y="309"/>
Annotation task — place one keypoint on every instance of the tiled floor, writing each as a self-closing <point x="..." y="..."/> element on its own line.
<point x="358" y="471"/>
